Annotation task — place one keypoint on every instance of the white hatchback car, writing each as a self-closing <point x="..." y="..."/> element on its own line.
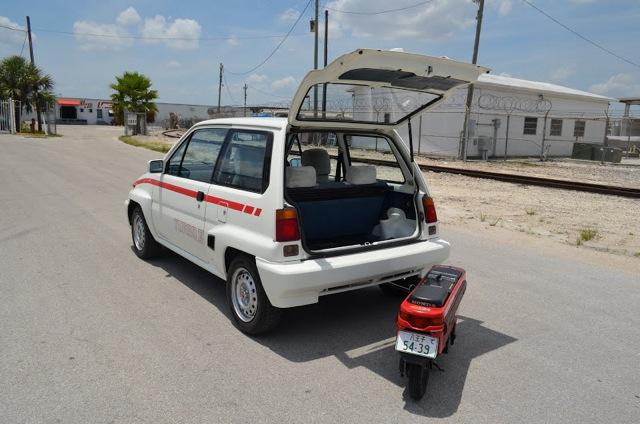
<point x="279" y="208"/>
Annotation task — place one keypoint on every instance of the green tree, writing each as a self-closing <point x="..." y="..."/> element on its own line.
<point x="133" y="92"/>
<point x="27" y="83"/>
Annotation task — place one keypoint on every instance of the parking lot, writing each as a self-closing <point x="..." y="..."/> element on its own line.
<point x="90" y="333"/>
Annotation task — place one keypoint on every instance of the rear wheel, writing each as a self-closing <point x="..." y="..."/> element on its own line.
<point x="250" y="307"/>
<point x="145" y="246"/>
<point x="418" y="379"/>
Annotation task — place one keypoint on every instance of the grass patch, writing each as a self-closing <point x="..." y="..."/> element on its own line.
<point x="578" y="241"/>
<point x="637" y="254"/>
<point x="587" y="234"/>
<point x="530" y="211"/>
<point x="483" y="217"/>
<point x="151" y="145"/>
<point x="494" y="223"/>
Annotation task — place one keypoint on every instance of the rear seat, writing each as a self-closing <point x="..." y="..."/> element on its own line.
<point x="329" y="211"/>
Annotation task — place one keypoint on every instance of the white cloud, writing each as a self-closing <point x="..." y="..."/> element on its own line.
<point x="563" y="73"/>
<point x="94" y="36"/>
<point x="284" y="84"/>
<point x="503" y="6"/>
<point x="128" y="17"/>
<point x="180" y="33"/>
<point x="174" y="64"/>
<point x="8" y="36"/>
<point x="438" y="19"/>
<point x="233" y="41"/>
<point x="258" y="79"/>
<point x="289" y="15"/>
<point x="619" y="85"/>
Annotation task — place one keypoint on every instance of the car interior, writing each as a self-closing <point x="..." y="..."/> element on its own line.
<point x="345" y="204"/>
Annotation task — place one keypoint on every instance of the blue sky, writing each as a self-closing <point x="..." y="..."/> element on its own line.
<point x="516" y="40"/>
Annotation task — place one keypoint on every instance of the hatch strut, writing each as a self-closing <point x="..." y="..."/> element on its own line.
<point x="410" y="146"/>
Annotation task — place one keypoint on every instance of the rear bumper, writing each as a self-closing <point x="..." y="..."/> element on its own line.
<point x="301" y="283"/>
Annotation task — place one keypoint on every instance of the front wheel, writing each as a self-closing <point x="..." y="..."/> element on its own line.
<point x="145" y="246"/>
<point x="418" y="378"/>
<point x="250" y="307"/>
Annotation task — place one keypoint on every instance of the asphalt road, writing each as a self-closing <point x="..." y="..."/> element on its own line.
<point x="91" y="334"/>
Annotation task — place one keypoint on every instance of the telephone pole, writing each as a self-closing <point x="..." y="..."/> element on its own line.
<point x="326" y="52"/>
<point x="245" y="99"/>
<point x="35" y="88"/>
<point x="220" y="86"/>
<point x="462" y="153"/>
<point x="315" y="57"/>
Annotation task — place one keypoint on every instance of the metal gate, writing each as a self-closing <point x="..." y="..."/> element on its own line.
<point x="7" y="117"/>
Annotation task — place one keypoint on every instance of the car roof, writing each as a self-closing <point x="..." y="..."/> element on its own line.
<point x="274" y="123"/>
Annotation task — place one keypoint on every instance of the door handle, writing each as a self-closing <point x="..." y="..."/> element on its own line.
<point x="199" y="196"/>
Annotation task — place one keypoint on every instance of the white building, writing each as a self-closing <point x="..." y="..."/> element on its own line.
<point x="541" y="118"/>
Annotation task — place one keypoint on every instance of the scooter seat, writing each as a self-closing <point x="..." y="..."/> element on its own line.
<point x="428" y="295"/>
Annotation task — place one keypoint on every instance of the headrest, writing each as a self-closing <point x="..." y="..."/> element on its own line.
<point x="359" y="175"/>
<point x="300" y="176"/>
<point x="319" y="159"/>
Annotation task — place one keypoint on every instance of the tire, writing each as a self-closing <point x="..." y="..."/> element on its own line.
<point x="251" y="311"/>
<point x="145" y="246"/>
<point x="418" y="379"/>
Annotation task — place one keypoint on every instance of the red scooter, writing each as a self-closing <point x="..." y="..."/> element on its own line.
<point x="427" y="324"/>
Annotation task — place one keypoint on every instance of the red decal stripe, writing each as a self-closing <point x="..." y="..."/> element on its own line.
<point x="240" y="207"/>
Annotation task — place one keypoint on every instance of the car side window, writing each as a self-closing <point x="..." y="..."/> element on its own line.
<point x="201" y="155"/>
<point x="173" y="165"/>
<point x="245" y="161"/>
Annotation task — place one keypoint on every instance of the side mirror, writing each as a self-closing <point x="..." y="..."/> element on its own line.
<point x="156" y="166"/>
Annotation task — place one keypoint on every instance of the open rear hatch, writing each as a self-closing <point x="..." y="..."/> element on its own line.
<point x="363" y="92"/>
<point x="368" y="88"/>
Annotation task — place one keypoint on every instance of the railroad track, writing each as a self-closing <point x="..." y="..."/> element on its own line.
<point x="522" y="179"/>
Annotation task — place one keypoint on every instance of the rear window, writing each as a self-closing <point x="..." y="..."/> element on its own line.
<point x="364" y="147"/>
<point x="362" y="103"/>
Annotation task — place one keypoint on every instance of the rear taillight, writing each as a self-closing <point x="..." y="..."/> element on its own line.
<point x="287" y="225"/>
<point x="430" y="215"/>
<point x="420" y="321"/>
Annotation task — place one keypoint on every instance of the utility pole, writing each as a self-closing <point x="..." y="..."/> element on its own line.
<point x="462" y="153"/>
<point x="35" y="88"/>
<point x="326" y="53"/>
<point x="315" y="58"/>
<point x="245" y="99"/>
<point x="220" y="86"/>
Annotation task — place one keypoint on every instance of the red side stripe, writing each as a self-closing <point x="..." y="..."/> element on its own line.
<point x="240" y="207"/>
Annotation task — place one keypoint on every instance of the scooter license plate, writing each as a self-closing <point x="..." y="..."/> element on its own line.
<point x="417" y="344"/>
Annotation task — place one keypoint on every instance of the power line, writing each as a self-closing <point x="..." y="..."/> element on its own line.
<point x="13" y="28"/>
<point x="226" y="85"/>
<point x="144" y="37"/>
<point x="23" y="43"/>
<point x="576" y="33"/>
<point x="380" y="12"/>
<point x="278" y="46"/>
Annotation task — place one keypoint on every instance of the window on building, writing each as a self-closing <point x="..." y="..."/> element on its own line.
<point x="530" y="126"/>
<point x="556" y="127"/>
<point x="578" y="129"/>
<point x="90" y="110"/>
<point x="81" y="109"/>
<point x="246" y="161"/>
<point x="99" y="113"/>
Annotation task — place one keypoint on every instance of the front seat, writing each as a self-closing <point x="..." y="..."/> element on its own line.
<point x="319" y="159"/>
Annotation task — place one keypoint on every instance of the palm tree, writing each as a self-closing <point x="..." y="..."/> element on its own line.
<point x="133" y="93"/>
<point x="26" y="83"/>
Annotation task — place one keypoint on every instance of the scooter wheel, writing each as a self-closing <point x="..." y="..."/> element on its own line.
<point x="418" y="378"/>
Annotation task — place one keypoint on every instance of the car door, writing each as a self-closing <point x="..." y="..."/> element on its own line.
<point x="184" y="185"/>
<point x="238" y="194"/>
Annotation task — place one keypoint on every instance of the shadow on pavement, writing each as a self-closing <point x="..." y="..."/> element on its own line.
<point x="358" y="328"/>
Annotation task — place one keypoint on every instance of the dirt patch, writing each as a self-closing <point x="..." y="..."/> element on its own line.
<point x="586" y="220"/>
